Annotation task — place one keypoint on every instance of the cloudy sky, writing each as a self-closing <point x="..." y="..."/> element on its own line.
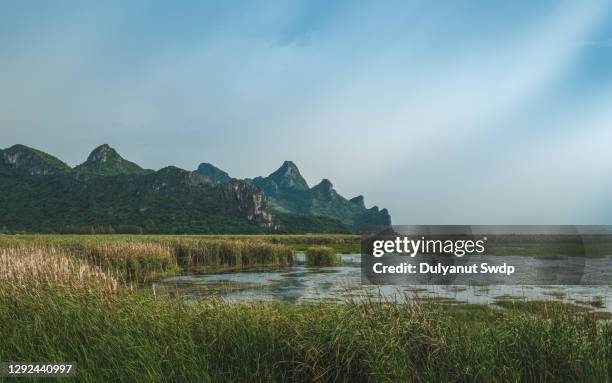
<point x="457" y="112"/>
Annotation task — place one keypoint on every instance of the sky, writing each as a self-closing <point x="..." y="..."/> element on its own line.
<point x="446" y="112"/>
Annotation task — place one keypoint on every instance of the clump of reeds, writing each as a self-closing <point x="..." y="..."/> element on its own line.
<point x="345" y="244"/>
<point x="231" y="253"/>
<point x="33" y="267"/>
<point x="321" y="256"/>
<point x="131" y="261"/>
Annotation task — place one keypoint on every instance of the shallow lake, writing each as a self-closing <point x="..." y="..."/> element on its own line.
<point x="299" y="283"/>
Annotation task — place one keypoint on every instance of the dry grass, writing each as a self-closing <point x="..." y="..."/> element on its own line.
<point x="27" y="267"/>
<point x="141" y="259"/>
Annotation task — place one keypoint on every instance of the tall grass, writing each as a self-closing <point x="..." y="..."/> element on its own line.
<point x="55" y="306"/>
<point x="230" y="253"/>
<point x="35" y="268"/>
<point x="321" y="256"/>
<point x="136" y="337"/>
<point x="130" y="261"/>
<point x="341" y="243"/>
<point x="136" y="259"/>
<point x="127" y="260"/>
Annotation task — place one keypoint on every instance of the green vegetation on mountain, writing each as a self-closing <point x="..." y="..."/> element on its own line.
<point x="288" y="177"/>
<point x="33" y="161"/>
<point x="291" y="223"/>
<point x="288" y="192"/>
<point x="168" y="201"/>
<point x="105" y="161"/>
<point x="213" y="173"/>
<point x="108" y="194"/>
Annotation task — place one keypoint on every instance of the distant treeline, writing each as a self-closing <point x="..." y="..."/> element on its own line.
<point x="109" y="229"/>
<point x="287" y="224"/>
<point x="85" y="229"/>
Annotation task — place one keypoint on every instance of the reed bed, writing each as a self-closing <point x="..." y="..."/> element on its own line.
<point x="341" y="243"/>
<point x="131" y="261"/>
<point x="141" y="259"/>
<point x="33" y="268"/>
<point x="231" y="253"/>
<point x="321" y="256"/>
<point x="137" y="337"/>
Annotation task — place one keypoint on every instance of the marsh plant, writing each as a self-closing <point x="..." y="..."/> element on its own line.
<point x="57" y="303"/>
<point x="35" y="268"/>
<point x="141" y="337"/>
<point x="230" y="253"/>
<point x="141" y="259"/>
<point x="322" y="256"/>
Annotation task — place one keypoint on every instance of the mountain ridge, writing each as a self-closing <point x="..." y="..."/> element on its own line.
<point x="105" y="160"/>
<point x="288" y="177"/>
<point x="212" y="172"/>
<point x="39" y="192"/>
<point x="289" y="192"/>
<point x="35" y="161"/>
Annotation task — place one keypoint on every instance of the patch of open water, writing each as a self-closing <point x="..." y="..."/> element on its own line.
<point x="299" y="283"/>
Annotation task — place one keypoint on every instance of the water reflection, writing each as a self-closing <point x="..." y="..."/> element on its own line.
<point x="298" y="284"/>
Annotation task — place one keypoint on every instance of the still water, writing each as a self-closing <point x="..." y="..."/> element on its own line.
<point x="299" y="283"/>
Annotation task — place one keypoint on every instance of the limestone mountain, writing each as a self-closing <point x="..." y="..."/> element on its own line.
<point x="288" y="192"/>
<point x="213" y="173"/>
<point x="105" y="161"/>
<point x="288" y="177"/>
<point x="32" y="161"/>
<point x="358" y="201"/>
<point x="40" y="193"/>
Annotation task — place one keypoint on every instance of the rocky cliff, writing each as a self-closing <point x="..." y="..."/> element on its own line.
<point x="289" y="192"/>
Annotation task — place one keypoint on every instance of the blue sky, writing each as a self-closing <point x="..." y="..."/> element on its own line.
<point x="458" y="112"/>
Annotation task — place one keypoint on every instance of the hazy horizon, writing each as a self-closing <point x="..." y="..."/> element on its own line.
<point x="456" y="113"/>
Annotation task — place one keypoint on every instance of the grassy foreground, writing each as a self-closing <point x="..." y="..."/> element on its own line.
<point x="60" y="305"/>
<point x="137" y="337"/>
